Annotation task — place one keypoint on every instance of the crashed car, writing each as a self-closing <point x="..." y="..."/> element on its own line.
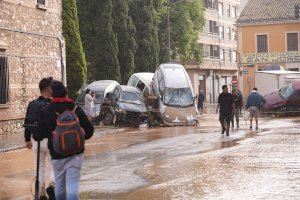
<point x="143" y="82"/>
<point x="286" y="99"/>
<point x="101" y="89"/>
<point x="130" y="106"/>
<point x="172" y="85"/>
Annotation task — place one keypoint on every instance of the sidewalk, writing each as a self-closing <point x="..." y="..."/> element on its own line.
<point x="16" y="141"/>
<point x="11" y="142"/>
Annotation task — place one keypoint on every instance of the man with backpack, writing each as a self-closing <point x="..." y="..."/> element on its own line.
<point x="67" y="127"/>
<point x="40" y="148"/>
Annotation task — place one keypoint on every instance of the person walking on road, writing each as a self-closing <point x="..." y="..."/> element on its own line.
<point x="32" y="117"/>
<point x="89" y="104"/>
<point x="253" y="105"/>
<point x="201" y="99"/>
<point x="66" y="126"/>
<point x="237" y="104"/>
<point x="240" y="96"/>
<point x="226" y="105"/>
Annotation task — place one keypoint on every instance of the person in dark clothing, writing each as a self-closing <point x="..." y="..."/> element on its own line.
<point x="226" y="105"/>
<point x="201" y="99"/>
<point x="240" y="96"/>
<point x="237" y="104"/>
<point x="66" y="167"/>
<point x="34" y="110"/>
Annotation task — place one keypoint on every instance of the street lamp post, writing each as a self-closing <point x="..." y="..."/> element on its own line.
<point x="168" y="4"/>
<point x="168" y="31"/>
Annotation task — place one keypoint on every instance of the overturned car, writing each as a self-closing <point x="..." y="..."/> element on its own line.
<point x="287" y="99"/>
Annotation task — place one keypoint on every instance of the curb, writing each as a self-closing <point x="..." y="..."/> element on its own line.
<point x="12" y="149"/>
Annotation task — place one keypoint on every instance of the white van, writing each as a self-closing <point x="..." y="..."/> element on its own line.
<point x="177" y="99"/>
<point x="142" y="81"/>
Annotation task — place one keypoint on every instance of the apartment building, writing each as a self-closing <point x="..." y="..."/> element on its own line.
<point x="219" y="40"/>
<point x="31" y="47"/>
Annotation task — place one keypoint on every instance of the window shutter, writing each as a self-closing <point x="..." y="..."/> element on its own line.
<point x="262" y="43"/>
<point x="292" y="41"/>
<point x="4" y="80"/>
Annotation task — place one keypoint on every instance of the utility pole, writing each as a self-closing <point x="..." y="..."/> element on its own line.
<point x="168" y="31"/>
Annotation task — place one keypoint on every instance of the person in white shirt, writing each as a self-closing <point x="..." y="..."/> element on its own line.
<point x="89" y="104"/>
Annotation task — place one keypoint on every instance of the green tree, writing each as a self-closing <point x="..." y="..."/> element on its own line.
<point x="125" y="31"/>
<point x="75" y="60"/>
<point x="145" y="19"/>
<point x="99" y="39"/>
<point x="186" y="21"/>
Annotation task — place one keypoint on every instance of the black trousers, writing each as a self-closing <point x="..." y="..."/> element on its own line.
<point x="225" y="118"/>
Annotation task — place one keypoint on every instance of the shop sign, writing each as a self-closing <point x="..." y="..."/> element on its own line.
<point x="265" y="58"/>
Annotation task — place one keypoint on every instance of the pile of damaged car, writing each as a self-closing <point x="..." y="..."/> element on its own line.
<point x="162" y="98"/>
<point x="284" y="101"/>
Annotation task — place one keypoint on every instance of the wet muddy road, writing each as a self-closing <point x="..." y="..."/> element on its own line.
<point x="179" y="163"/>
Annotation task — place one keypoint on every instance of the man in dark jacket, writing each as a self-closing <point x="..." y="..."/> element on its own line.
<point x="226" y="104"/>
<point x="201" y="99"/>
<point x="32" y="116"/>
<point x="67" y="168"/>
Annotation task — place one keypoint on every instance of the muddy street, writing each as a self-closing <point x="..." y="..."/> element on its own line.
<point x="179" y="163"/>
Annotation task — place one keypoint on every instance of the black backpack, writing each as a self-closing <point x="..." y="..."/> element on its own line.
<point x="33" y="114"/>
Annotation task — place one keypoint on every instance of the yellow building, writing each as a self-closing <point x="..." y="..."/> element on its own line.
<point x="268" y="36"/>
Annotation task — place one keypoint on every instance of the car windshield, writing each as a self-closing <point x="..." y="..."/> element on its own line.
<point x="180" y="97"/>
<point x="131" y="97"/>
<point x="286" y="91"/>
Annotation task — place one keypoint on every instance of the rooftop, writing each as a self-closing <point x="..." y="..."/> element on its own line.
<point x="268" y="11"/>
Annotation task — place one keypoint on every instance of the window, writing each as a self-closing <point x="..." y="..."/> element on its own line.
<point x="213" y="27"/>
<point x="228" y="10"/>
<point x="4" y="80"/>
<point x="233" y="13"/>
<point x="229" y="33"/>
<point x="234" y="36"/>
<point x="141" y="86"/>
<point x="230" y="55"/>
<point x="221" y="31"/>
<point x="208" y="4"/>
<point x="211" y="4"/>
<point x="292" y="41"/>
<point x="133" y="81"/>
<point x="234" y="56"/>
<point x="221" y="11"/>
<point x="262" y="43"/>
<point x="222" y="52"/>
<point x="214" y="51"/>
<point x="42" y="2"/>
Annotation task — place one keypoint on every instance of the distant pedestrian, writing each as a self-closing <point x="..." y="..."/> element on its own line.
<point x="226" y="105"/>
<point x="237" y="104"/>
<point x="66" y="126"/>
<point x="254" y="103"/>
<point x="32" y="118"/>
<point x="240" y="96"/>
<point x="201" y="99"/>
<point x="89" y="104"/>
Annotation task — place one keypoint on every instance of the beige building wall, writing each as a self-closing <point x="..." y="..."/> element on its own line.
<point x="31" y="38"/>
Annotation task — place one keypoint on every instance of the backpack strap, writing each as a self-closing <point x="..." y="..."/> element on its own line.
<point x="73" y="111"/>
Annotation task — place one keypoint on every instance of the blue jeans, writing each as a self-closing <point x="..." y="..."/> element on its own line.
<point x="67" y="177"/>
